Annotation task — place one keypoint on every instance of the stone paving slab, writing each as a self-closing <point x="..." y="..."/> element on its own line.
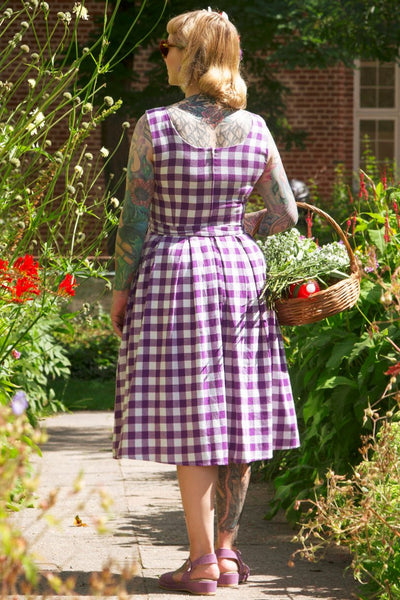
<point x="147" y="526"/>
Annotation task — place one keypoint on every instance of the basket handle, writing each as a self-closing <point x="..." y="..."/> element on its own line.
<point x="353" y="262"/>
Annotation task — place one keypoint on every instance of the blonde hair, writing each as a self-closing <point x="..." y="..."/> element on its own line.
<point x="211" y="57"/>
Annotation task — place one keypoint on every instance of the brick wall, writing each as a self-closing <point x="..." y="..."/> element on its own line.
<point x="36" y="40"/>
<point x="321" y="103"/>
<point x="85" y="27"/>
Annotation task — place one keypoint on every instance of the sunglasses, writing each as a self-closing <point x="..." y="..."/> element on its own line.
<point x="165" y="46"/>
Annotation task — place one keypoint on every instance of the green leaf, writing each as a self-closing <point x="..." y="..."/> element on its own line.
<point x="367" y="287"/>
<point x="332" y="382"/>
<point x="377" y="238"/>
<point x="365" y="343"/>
<point x="339" y="353"/>
<point x="377" y="217"/>
<point x="311" y="406"/>
<point x="361" y="226"/>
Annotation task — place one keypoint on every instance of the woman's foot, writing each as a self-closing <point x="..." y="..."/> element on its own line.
<point x="199" y="571"/>
<point x="197" y="577"/>
<point x="232" y="568"/>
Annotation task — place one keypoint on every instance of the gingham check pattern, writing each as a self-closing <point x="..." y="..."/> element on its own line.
<point x="202" y="376"/>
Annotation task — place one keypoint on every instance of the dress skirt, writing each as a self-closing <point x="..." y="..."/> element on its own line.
<point x="202" y="376"/>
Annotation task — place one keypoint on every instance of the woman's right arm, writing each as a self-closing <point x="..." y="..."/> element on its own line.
<point x="134" y="218"/>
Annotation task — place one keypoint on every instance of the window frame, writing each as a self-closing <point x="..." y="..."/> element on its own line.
<point x="375" y="114"/>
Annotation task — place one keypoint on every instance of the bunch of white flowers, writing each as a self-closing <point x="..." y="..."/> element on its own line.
<point x="292" y="258"/>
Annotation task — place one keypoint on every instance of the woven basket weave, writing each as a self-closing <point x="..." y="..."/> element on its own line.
<point x="327" y="302"/>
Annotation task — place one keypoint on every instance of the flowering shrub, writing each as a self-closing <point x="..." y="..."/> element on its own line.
<point x="377" y="237"/>
<point x="362" y="513"/>
<point x="18" y="440"/>
<point x="22" y="279"/>
<point x="342" y="365"/>
<point x="55" y="212"/>
<point x="52" y="190"/>
<point x="29" y="297"/>
<point x="19" y="572"/>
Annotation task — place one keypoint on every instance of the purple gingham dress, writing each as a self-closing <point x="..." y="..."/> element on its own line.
<point x="202" y="376"/>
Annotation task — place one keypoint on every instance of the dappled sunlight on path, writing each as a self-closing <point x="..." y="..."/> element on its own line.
<point x="147" y="526"/>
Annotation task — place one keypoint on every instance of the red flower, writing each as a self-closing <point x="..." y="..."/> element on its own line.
<point x="350" y="195"/>
<point x="27" y="266"/>
<point x="67" y="286"/>
<point x="396" y="211"/>
<point x="5" y="276"/>
<point x="387" y="229"/>
<point x="384" y="179"/>
<point x="24" y="286"/>
<point x="393" y="370"/>
<point x="3" y="265"/>
<point x="363" y="192"/>
<point x="354" y="222"/>
<point x="309" y="219"/>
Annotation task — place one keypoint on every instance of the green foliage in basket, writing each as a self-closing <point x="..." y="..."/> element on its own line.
<point x="292" y="258"/>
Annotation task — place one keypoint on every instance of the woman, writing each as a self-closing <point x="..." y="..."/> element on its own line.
<point x="202" y="379"/>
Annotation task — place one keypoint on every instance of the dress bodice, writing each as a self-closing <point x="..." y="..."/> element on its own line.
<point x="202" y="191"/>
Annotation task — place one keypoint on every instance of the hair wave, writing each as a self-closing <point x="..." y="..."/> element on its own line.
<point x="211" y="57"/>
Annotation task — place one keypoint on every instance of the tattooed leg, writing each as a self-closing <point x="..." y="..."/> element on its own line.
<point x="232" y="484"/>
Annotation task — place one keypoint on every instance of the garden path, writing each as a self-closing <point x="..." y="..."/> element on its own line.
<point x="147" y="524"/>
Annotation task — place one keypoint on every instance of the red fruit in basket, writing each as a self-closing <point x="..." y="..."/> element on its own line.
<point x="303" y="290"/>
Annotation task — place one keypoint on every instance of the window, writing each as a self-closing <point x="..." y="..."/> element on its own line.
<point x="377" y="112"/>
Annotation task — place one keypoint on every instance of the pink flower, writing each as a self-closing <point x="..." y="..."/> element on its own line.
<point x="15" y="354"/>
<point x="354" y="221"/>
<point x="350" y="195"/>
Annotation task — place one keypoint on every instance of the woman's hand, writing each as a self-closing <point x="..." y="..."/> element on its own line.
<point x="251" y="221"/>
<point x="118" y="310"/>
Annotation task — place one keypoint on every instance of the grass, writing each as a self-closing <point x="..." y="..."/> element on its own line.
<point x="86" y="394"/>
<point x="91" y="347"/>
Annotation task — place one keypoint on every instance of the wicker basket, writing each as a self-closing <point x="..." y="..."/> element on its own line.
<point x="330" y="301"/>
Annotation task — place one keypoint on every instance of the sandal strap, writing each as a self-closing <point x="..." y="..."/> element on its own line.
<point x="206" y="559"/>
<point x="244" y="570"/>
<point x="226" y="553"/>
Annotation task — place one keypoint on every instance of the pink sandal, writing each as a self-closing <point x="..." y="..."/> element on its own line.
<point x="201" y="587"/>
<point x="232" y="578"/>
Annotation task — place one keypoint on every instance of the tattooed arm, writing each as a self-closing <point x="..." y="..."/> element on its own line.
<point x="134" y="218"/>
<point x="273" y="187"/>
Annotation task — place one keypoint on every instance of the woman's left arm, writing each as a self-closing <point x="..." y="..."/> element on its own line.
<point x="273" y="188"/>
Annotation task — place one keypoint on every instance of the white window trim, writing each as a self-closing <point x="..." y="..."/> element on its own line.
<point x="392" y="114"/>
